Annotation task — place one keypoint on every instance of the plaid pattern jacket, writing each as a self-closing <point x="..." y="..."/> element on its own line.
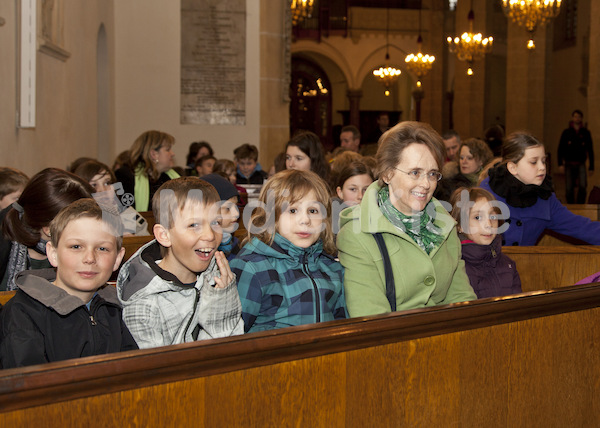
<point x="159" y="310"/>
<point x="283" y="285"/>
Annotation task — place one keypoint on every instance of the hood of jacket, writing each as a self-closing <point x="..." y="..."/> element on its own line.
<point x="367" y="217"/>
<point x="141" y="276"/>
<point x="37" y="283"/>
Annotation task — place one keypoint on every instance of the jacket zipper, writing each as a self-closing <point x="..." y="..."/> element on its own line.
<point x="314" y="284"/>
<point x="193" y="313"/>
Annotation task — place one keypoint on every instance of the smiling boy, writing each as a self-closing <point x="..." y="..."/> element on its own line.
<point x="179" y="287"/>
<point x="69" y="313"/>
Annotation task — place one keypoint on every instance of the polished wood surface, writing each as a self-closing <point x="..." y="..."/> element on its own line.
<point x="528" y="360"/>
<point x="5" y="296"/>
<point x="133" y="243"/>
<point x="554" y="266"/>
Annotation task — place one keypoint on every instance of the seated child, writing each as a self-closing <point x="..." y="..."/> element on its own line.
<point x="249" y="171"/>
<point x="103" y="181"/>
<point x="178" y="288"/>
<point x="204" y="165"/>
<point x="70" y="312"/>
<point x="490" y="272"/>
<point x="12" y="183"/>
<point x="352" y="183"/>
<point x="229" y="213"/>
<point x="287" y="274"/>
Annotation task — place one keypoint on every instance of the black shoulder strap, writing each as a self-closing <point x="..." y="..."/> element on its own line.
<point x="390" y="285"/>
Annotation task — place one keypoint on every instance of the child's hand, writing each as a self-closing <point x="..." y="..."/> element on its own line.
<point x="226" y="274"/>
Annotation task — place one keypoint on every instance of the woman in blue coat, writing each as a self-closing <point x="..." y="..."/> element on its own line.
<point x="520" y="182"/>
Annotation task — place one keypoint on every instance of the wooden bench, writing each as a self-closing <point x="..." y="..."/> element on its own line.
<point x="554" y="266"/>
<point x="520" y="361"/>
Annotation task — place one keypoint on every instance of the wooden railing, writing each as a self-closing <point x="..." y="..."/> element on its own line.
<point x="527" y="360"/>
<point x="554" y="266"/>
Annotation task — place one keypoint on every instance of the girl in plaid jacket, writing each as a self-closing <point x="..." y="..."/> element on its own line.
<point x="287" y="273"/>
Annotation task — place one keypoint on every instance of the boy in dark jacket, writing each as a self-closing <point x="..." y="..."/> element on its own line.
<point x="248" y="171"/>
<point x="69" y="312"/>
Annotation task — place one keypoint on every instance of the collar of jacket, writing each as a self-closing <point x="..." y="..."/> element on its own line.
<point x="37" y="283"/>
<point x="477" y="254"/>
<point x="516" y="193"/>
<point x="151" y="253"/>
<point x="281" y="248"/>
<point x="372" y="219"/>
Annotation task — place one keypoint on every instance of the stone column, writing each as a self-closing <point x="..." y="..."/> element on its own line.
<point x="593" y="107"/>
<point x="354" y="95"/>
<point x="469" y="91"/>
<point x="526" y="80"/>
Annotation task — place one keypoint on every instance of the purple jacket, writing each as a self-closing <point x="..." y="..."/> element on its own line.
<point x="491" y="273"/>
<point x="527" y="224"/>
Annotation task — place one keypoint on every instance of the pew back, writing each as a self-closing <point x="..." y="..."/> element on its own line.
<point x="553" y="266"/>
<point x="495" y="362"/>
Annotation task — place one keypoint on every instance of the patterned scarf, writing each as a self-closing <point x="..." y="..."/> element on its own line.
<point x="18" y="261"/>
<point x="419" y="227"/>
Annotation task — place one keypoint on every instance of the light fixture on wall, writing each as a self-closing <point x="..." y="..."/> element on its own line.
<point x="531" y="14"/>
<point x="301" y="9"/>
<point x="388" y="74"/>
<point x="418" y="63"/>
<point x="470" y="46"/>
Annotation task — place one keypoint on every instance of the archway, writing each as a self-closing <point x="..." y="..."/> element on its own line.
<point x="310" y="96"/>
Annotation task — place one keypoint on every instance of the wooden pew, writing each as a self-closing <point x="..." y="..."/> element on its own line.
<point x="526" y="360"/>
<point x="554" y="266"/>
<point x="133" y="243"/>
<point x="5" y="296"/>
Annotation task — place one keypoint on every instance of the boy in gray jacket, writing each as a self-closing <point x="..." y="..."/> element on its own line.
<point x="179" y="288"/>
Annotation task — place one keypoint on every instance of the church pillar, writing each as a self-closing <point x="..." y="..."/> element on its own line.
<point x="593" y="107"/>
<point x="354" y="95"/>
<point x="526" y="80"/>
<point x="469" y="91"/>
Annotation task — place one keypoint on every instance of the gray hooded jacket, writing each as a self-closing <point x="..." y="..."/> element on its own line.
<point x="159" y="310"/>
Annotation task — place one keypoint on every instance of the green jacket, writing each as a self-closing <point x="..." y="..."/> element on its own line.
<point x="421" y="279"/>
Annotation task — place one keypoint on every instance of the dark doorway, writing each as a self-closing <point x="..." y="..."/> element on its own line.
<point x="310" y="94"/>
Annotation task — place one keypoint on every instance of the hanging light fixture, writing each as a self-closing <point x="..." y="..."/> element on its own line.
<point x="531" y="14"/>
<point x="387" y="75"/>
<point x="470" y="46"/>
<point x="418" y="63"/>
<point x="301" y="9"/>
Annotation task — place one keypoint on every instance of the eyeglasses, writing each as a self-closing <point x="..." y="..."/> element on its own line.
<point x="417" y="174"/>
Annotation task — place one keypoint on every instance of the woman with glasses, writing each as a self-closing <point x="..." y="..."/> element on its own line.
<point x="399" y="247"/>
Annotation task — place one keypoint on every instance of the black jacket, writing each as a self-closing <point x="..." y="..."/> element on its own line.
<point x="43" y="323"/>
<point x="576" y="146"/>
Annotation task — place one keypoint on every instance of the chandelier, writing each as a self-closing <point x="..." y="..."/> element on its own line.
<point x="387" y="75"/>
<point x="470" y="46"/>
<point x="418" y="63"/>
<point x="531" y="14"/>
<point x="301" y="9"/>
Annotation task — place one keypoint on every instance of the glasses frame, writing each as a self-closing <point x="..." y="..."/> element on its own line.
<point x="422" y="174"/>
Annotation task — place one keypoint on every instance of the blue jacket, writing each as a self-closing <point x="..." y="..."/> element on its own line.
<point x="283" y="285"/>
<point x="527" y="224"/>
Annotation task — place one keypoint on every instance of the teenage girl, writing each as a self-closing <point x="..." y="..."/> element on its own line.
<point x="352" y="183"/>
<point x="520" y="181"/>
<point x="286" y="272"/>
<point x="26" y="225"/>
<point x="490" y="272"/>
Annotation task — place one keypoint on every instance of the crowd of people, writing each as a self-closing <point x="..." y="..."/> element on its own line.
<point x="330" y="236"/>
